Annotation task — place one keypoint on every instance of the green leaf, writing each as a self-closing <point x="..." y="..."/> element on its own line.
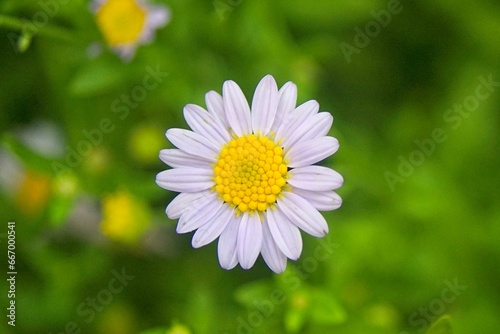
<point x="298" y="310"/>
<point x="325" y="309"/>
<point x="59" y="210"/>
<point x="65" y="190"/>
<point x="254" y="291"/>
<point x="201" y="307"/>
<point x="441" y="326"/>
<point x="24" y="41"/>
<point x="294" y="320"/>
<point x="96" y="78"/>
<point x="289" y="280"/>
<point x="162" y="330"/>
<point x="176" y="328"/>
<point x="29" y="157"/>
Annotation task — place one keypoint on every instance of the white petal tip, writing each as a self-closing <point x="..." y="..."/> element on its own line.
<point x="227" y="267"/>
<point x="278" y="271"/>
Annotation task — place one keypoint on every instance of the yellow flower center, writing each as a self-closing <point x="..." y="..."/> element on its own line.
<point x="121" y="21"/>
<point x="250" y="173"/>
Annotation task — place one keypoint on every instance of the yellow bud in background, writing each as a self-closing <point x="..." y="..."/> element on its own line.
<point x="125" y="217"/>
<point x="34" y="192"/>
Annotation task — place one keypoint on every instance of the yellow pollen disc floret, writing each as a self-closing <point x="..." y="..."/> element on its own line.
<point x="250" y="173"/>
<point x="121" y="21"/>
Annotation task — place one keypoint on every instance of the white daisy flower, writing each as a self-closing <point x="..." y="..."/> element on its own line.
<point x="247" y="175"/>
<point x="126" y="24"/>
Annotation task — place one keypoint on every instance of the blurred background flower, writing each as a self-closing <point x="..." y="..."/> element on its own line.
<point x="125" y="218"/>
<point x="125" y="24"/>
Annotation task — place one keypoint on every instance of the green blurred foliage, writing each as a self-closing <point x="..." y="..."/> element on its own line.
<point x="441" y="326"/>
<point x="401" y="245"/>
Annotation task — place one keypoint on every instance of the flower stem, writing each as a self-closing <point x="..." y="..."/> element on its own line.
<point x="32" y="28"/>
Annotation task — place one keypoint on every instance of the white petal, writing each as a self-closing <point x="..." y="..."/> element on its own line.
<point x="158" y="17"/>
<point x="264" y="105"/>
<point x="205" y="209"/>
<point x="126" y="52"/>
<point x="183" y="203"/>
<point x="325" y="121"/>
<point x="296" y="119"/>
<point x="310" y="108"/>
<point x="227" y="246"/>
<point x="215" y="106"/>
<point x="193" y="143"/>
<point x="321" y="200"/>
<point x="200" y="121"/>
<point x="185" y="179"/>
<point x="316" y="178"/>
<point x="302" y="214"/>
<point x="213" y="228"/>
<point x="236" y="108"/>
<point x="285" y="234"/>
<point x="287" y="103"/>
<point x="177" y="158"/>
<point x="308" y="152"/>
<point x="249" y="240"/>
<point x="271" y="253"/>
<point x="317" y="125"/>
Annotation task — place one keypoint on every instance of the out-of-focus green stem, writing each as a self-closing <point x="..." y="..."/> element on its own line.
<point x="34" y="28"/>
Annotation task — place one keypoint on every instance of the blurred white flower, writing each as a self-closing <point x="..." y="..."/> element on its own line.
<point x="126" y="24"/>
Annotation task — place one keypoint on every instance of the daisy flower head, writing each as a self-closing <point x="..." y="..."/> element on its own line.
<point x="126" y="24"/>
<point x="247" y="174"/>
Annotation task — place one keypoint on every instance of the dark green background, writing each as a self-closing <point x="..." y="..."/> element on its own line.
<point x="397" y="245"/>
